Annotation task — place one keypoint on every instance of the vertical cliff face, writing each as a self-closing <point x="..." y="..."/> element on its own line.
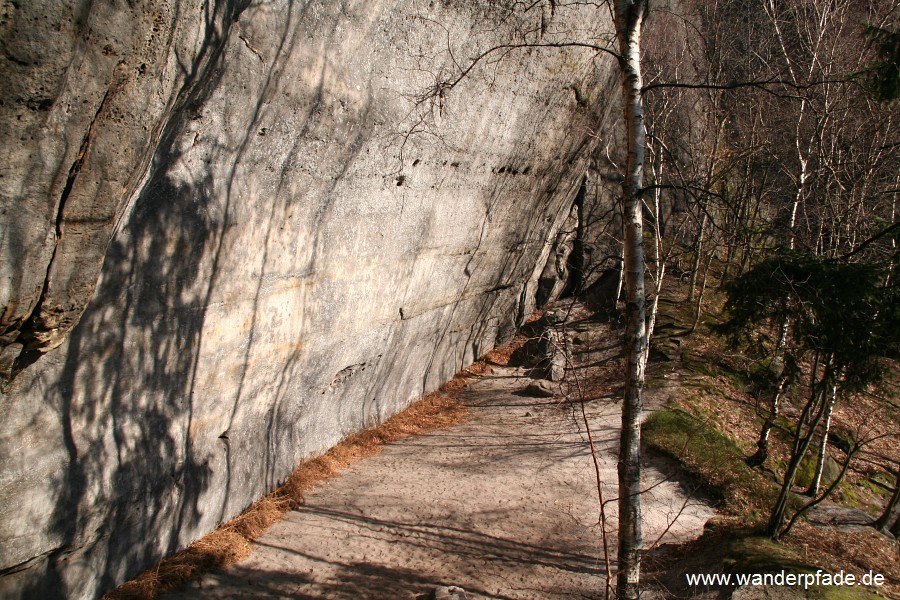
<point x="91" y="89"/>
<point x="233" y="235"/>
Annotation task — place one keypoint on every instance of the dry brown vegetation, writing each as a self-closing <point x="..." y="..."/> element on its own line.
<point x="719" y="393"/>
<point x="716" y="404"/>
<point x="855" y="551"/>
<point x="512" y="352"/>
<point x="231" y="542"/>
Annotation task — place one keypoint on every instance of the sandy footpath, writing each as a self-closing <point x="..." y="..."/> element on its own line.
<point x="504" y="506"/>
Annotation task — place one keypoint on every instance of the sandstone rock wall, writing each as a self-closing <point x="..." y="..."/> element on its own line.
<point x="231" y="236"/>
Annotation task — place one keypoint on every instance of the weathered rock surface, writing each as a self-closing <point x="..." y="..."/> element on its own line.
<point x="556" y="275"/>
<point x="540" y="388"/>
<point x="230" y="237"/>
<point x="451" y="592"/>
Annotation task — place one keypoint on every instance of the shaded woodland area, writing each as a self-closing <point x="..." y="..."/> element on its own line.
<point x="771" y="184"/>
<point x="782" y="192"/>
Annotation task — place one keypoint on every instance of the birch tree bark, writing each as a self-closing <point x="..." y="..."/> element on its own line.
<point x="629" y="17"/>
<point x="821" y="452"/>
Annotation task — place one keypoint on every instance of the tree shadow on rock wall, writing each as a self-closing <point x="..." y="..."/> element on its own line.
<point x="125" y="417"/>
<point x="132" y="489"/>
<point x="124" y="396"/>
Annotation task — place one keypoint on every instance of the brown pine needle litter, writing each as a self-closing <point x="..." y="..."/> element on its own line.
<point x="231" y="542"/>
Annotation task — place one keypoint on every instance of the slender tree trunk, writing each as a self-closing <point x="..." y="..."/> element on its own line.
<point x="654" y="310"/>
<point x="658" y="265"/>
<point x="801" y="445"/>
<point x="889" y="277"/>
<point x="629" y="15"/>
<point x="752" y="221"/>
<point x="890" y="271"/>
<point x="703" y="281"/>
<point x="762" y="444"/>
<point x="813" y="490"/>
<point x="698" y="252"/>
<point x="729" y="257"/>
<point x="621" y="283"/>
<point x="891" y="514"/>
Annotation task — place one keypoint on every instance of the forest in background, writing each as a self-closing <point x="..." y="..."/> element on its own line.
<point x="770" y="194"/>
<point x="760" y="168"/>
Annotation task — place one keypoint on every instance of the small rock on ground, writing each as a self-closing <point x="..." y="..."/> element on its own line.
<point x="540" y="389"/>
<point x="451" y="592"/>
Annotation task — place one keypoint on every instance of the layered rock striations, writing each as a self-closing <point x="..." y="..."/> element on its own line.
<point x="235" y="232"/>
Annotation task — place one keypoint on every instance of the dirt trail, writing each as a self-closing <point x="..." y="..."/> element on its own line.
<point x="504" y="506"/>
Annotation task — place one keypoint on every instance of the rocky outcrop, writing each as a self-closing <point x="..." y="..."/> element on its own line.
<point x="235" y="232"/>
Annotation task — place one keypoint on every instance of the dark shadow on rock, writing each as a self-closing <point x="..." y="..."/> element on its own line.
<point x="124" y="397"/>
<point x="601" y="295"/>
<point x="125" y="417"/>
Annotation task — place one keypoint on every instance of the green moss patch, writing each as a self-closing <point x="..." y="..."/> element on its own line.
<point x="712" y="457"/>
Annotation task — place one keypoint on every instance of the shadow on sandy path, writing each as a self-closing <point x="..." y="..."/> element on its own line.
<point x="504" y="505"/>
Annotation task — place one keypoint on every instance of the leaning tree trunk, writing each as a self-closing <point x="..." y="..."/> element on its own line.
<point x="698" y="253"/>
<point x="812" y="414"/>
<point x="762" y="444"/>
<point x="698" y="311"/>
<point x="658" y="268"/>
<point x="629" y="16"/>
<point x="890" y="518"/>
<point x="821" y="455"/>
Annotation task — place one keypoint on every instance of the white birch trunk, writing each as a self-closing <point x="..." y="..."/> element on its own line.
<point x="658" y="267"/>
<point x="813" y="490"/>
<point x="629" y="16"/>
<point x="698" y="251"/>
